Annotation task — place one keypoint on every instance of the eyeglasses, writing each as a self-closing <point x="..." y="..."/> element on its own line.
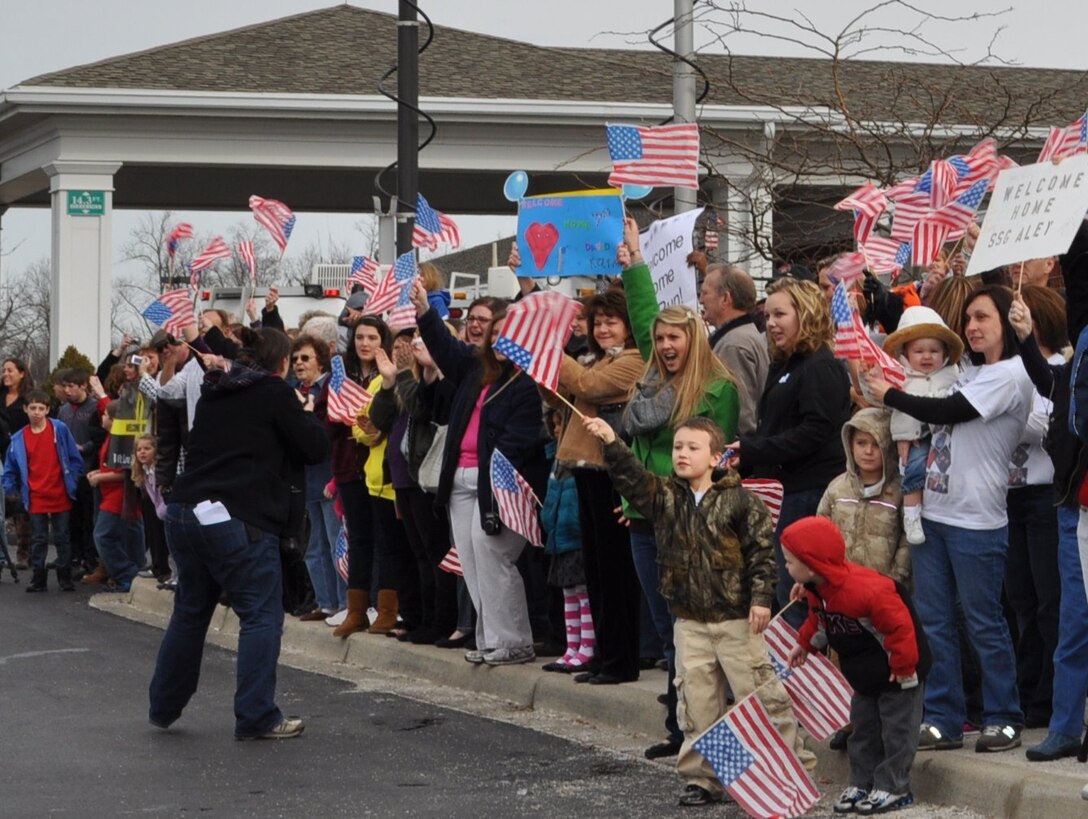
<point x="478" y="319"/>
<point x="303" y="357"/>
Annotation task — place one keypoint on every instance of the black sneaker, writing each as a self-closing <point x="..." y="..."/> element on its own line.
<point x="998" y="738"/>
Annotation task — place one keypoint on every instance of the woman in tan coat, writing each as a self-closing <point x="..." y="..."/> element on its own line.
<point x="602" y="388"/>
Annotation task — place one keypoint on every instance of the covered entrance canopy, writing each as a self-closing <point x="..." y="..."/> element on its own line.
<point x="289" y="109"/>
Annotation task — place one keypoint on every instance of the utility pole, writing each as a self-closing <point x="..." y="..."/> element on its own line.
<point x="683" y="86"/>
<point x="407" y="122"/>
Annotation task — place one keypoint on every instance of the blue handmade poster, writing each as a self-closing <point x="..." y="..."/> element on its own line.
<point x="570" y="234"/>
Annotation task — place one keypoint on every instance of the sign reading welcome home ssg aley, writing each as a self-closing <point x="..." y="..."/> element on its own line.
<point x="1034" y="212"/>
<point x="86" y="203"/>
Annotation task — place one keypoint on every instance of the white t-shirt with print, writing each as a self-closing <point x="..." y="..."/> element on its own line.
<point x="1031" y="465"/>
<point x="968" y="468"/>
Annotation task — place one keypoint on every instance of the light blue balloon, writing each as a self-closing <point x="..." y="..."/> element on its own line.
<point x="515" y="186"/>
<point x="636" y="191"/>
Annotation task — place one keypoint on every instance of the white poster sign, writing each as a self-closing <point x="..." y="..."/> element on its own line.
<point x="1034" y="211"/>
<point x="665" y="247"/>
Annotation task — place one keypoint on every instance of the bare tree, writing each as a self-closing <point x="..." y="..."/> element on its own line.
<point x="836" y="117"/>
<point x="24" y="317"/>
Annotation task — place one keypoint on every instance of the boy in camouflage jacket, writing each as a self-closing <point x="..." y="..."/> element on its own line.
<point x="717" y="572"/>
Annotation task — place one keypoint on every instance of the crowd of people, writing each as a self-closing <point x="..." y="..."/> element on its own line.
<point x="942" y="514"/>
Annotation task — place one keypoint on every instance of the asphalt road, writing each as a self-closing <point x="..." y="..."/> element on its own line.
<point x="75" y="741"/>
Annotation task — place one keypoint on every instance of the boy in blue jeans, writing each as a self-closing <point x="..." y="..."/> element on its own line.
<point x="42" y="470"/>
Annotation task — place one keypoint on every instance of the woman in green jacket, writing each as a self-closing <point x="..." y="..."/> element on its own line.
<point x="683" y="378"/>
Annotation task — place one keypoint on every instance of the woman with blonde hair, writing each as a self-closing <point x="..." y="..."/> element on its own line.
<point x="805" y="403"/>
<point x="683" y="378"/>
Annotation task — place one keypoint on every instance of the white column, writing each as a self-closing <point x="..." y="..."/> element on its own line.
<point x="746" y="206"/>
<point x="82" y="257"/>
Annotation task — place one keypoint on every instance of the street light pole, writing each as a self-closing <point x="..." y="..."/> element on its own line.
<point x="683" y="86"/>
<point x="407" y="122"/>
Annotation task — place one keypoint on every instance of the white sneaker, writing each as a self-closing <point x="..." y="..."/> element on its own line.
<point x="336" y="619"/>
<point x="912" y="525"/>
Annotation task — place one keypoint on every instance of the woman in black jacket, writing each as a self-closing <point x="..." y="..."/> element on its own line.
<point x="250" y="440"/>
<point x="805" y="403"/>
<point x="496" y="407"/>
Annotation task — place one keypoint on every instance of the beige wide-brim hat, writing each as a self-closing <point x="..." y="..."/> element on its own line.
<point x="923" y="322"/>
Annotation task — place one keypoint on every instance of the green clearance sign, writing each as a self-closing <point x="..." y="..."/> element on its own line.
<point x="86" y="203"/>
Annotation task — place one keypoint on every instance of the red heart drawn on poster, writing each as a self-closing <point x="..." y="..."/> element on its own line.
<point x="541" y="239"/>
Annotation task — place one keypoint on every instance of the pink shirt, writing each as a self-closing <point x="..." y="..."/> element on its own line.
<point x="469" y="455"/>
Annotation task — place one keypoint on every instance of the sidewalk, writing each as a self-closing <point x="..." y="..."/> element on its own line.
<point x="1000" y="785"/>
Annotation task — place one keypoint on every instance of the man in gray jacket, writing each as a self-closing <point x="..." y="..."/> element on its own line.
<point x="728" y="296"/>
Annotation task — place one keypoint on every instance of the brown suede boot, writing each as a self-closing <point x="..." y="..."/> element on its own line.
<point x="358" y="603"/>
<point x="387" y="612"/>
<point x="95" y="578"/>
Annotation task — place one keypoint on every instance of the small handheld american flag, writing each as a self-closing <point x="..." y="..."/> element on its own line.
<point x="346" y="398"/>
<point x="432" y="228"/>
<point x="245" y="250"/>
<point x="534" y="332"/>
<point x="217" y="249"/>
<point x="276" y="217"/>
<point x="393" y="290"/>
<point x="516" y="499"/>
<point x="364" y="271"/>
<point x="658" y="156"/>
<point x="171" y="311"/>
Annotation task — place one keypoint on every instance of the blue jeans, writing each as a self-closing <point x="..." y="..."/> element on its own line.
<point x="956" y="563"/>
<point x="914" y="471"/>
<point x="244" y="563"/>
<point x="644" y="551"/>
<point x="120" y="544"/>
<point x="1071" y="656"/>
<point x="795" y="505"/>
<point x="330" y="589"/>
<point x="39" y="539"/>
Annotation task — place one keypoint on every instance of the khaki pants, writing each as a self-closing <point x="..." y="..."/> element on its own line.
<point x="708" y="656"/>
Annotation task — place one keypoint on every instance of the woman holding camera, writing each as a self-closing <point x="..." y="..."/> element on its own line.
<point x="495" y="407"/>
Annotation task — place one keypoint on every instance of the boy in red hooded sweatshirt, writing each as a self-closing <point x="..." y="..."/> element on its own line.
<point x="868" y="619"/>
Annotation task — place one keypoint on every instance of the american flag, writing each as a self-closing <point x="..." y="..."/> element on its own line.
<point x="820" y="693"/>
<point x="212" y="253"/>
<point x="364" y="271"/>
<point x="395" y="288"/>
<point x="755" y="765"/>
<point x="929" y="235"/>
<point x="432" y="227"/>
<point x="981" y="162"/>
<point x="909" y="208"/>
<point x="183" y="230"/>
<point x="516" y="499"/>
<point x="245" y="250"/>
<point x="534" y="332"/>
<point x="852" y="341"/>
<point x="770" y="492"/>
<point x="960" y="212"/>
<point x="172" y="311"/>
<point x="346" y="398"/>
<point x="342" y="552"/>
<point x="277" y="218"/>
<point x="710" y="240"/>
<point x="451" y="562"/>
<point x="1068" y="141"/>
<point x="848" y="268"/>
<point x="659" y="156"/>
<point x="881" y="254"/>
<point x="867" y="203"/>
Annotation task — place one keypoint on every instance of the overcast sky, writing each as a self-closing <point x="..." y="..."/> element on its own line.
<point x="38" y="36"/>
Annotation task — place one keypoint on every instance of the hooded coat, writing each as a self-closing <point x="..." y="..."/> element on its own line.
<point x="871" y="526"/>
<point x="866" y="617"/>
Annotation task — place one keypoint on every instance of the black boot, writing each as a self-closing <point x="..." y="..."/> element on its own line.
<point x="64" y="580"/>
<point x="39" y="581"/>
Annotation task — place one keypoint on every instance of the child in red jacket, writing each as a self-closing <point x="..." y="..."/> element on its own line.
<point x="868" y="619"/>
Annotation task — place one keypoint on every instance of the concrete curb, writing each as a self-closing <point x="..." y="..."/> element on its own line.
<point x="994" y="784"/>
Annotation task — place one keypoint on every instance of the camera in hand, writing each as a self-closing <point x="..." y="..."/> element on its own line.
<point x="491" y="523"/>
